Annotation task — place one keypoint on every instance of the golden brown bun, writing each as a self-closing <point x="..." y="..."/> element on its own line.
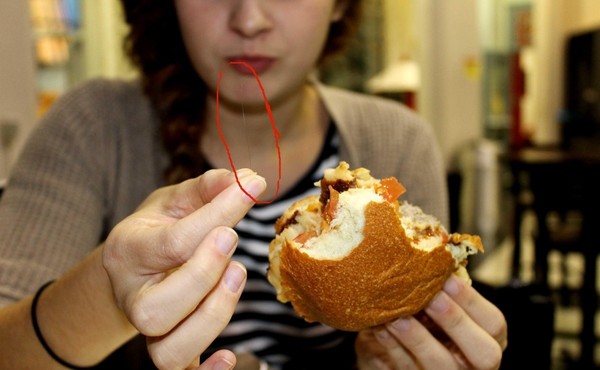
<point x="385" y="275"/>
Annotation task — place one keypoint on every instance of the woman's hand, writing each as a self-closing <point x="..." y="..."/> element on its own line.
<point x="169" y="265"/>
<point x="459" y="329"/>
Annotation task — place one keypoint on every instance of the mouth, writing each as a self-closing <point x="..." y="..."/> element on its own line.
<point x="245" y="64"/>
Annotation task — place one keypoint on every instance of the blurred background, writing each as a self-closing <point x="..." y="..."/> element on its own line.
<point x="512" y="89"/>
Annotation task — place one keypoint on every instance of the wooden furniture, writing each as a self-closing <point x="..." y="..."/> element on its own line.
<point x="559" y="186"/>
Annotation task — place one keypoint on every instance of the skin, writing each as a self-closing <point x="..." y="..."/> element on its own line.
<point x="182" y="255"/>
<point x="476" y="328"/>
<point x="182" y="237"/>
<point x="234" y="29"/>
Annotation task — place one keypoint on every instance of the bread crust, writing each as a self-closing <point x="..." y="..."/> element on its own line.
<point x="344" y="258"/>
<point x="382" y="278"/>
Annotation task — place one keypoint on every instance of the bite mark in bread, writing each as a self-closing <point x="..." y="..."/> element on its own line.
<point x="355" y="257"/>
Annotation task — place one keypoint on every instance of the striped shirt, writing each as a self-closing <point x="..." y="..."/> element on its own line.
<point x="262" y="325"/>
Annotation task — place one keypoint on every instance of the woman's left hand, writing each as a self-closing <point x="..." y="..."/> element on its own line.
<point x="473" y="335"/>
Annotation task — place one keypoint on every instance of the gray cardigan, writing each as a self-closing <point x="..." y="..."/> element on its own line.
<point x="96" y="155"/>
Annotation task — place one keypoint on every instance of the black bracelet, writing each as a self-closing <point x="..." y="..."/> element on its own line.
<point x="38" y="332"/>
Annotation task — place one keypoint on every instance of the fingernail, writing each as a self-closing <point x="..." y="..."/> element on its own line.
<point x="223" y="364"/>
<point x="401" y="324"/>
<point x="439" y="303"/>
<point x="377" y="363"/>
<point x="226" y="241"/>
<point x="244" y="172"/>
<point x="382" y="334"/>
<point x="254" y="185"/>
<point x="234" y="277"/>
<point x="452" y="286"/>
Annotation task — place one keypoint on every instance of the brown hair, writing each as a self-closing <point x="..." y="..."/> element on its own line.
<point x="155" y="45"/>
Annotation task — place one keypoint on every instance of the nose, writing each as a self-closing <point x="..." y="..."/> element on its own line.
<point x="250" y="17"/>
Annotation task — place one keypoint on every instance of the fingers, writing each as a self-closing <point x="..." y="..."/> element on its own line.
<point x="475" y="325"/>
<point x="479" y="309"/>
<point x="168" y="227"/>
<point x="222" y="360"/>
<point x="193" y="193"/>
<point x="209" y="185"/>
<point x="400" y="357"/>
<point x="170" y="267"/>
<point x="370" y="355"/>
<point x="198" y="330"/>
<point x="184" y="288"/>
<point x="227" y="208"/>
<point x="419" y="349"/>
<point x="480" y="349"/>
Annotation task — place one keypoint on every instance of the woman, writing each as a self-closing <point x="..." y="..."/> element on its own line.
<point x="81" y="205"/>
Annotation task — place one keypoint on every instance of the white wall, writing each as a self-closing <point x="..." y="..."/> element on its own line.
<point x="449" y="55"/>
<point x="554" y="21"/>
<point x="548" y="59"/>
<point x="17" y="79"/>
<point x="399" y="32"/>
<point x="443" y="35"/>
<point x="102" y="33"/>
<point x="579" y="15"/>
<point x="102" y="55"/>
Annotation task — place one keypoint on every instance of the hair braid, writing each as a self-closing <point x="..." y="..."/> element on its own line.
<point x="176" y="92"/>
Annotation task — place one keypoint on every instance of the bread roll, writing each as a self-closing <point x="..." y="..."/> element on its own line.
<point x="355" y="257"/>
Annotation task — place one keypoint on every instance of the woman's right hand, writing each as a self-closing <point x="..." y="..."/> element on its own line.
<point x="169" y="265"/>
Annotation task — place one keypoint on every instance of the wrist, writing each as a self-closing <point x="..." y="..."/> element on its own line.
<point x="78" y="317"/>
<point x="40" y="336"/>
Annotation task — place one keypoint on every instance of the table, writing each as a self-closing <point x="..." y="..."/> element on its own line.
<point x="551" y="179"/>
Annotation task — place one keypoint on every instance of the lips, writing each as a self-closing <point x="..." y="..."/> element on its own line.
<point x="259" y="63"/>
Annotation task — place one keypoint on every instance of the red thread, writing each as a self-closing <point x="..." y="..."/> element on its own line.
<point x="276" y="134"/>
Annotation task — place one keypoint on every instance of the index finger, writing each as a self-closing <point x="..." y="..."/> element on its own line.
<point x="227" y="208"/>
<point x="181" y="199"/>
<point x="478" y="308"/>
<point x="172" y="222"/>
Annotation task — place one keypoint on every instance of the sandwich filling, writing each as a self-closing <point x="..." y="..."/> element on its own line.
<point x="355" y="257"/>
<point x="333" y="226"/>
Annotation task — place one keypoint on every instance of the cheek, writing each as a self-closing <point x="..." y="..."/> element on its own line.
<point x="198" y="52"/>
<point x="309" y="43"/>
<point x="311" y="33"/>
<point x="198" y="35"/>
<point x="198" y="25"/>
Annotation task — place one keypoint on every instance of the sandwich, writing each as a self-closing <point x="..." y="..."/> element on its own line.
<point x="356" y="256"/>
